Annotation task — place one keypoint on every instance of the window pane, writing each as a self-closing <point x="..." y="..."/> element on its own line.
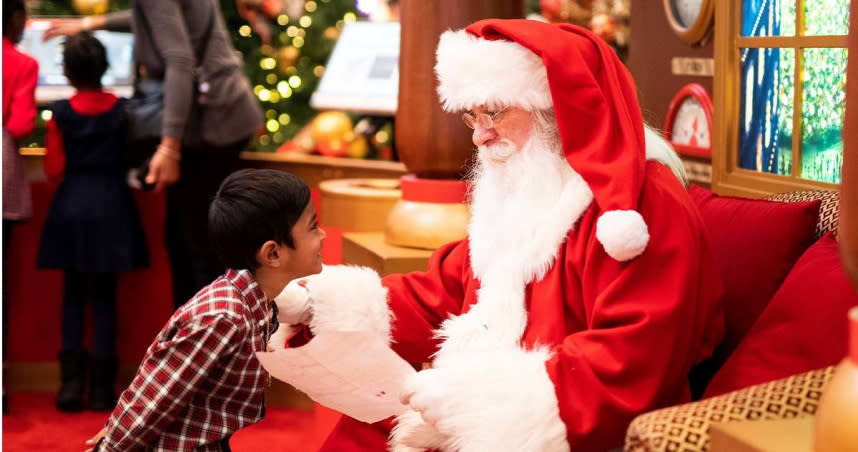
<point x="826" y="17"/>
<point x="822" y="114"/>
<point x="768" y="18"/>
<point x="766" y="113"/>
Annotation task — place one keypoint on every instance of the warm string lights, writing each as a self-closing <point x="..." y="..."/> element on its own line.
<point x="285" y="71"/>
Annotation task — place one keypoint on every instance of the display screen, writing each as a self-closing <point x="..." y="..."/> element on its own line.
<point x="49" y="54"/>
<point x="362" y="74"/>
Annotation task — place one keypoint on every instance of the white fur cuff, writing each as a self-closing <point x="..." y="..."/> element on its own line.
<point x="348" y="298"/>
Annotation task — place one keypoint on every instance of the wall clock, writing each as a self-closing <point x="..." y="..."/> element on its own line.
<point x="690" y="19"/>
<point x="689" y="122"/>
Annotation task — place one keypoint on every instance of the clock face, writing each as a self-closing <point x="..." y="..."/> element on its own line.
<point x="691" y="20"/>
<point x="686" y="11"/>
<point x="690" y="126"/>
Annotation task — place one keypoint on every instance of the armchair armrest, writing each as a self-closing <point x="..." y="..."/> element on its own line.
<point x="686" y="427"/>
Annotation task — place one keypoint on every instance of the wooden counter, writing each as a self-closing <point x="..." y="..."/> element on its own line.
<point x="316" y="168"/>
<point x="312" y="168"/>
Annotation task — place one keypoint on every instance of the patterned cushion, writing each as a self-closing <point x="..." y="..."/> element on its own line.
<point x="685" y="428"/>
<point x="829" y="212"/>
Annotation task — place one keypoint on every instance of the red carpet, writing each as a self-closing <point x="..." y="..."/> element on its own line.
<point x="35" y="425"/>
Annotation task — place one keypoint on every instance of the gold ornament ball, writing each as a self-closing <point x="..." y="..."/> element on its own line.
<point x="332" y="133"/>
<point x="90" y="7"/>
<point x="331" y="33"/>
<point x="286" y="57"/>
<point x="604" y="26"/>
<point x="358" y="148"/>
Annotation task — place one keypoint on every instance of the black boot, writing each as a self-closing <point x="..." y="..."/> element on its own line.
<point x="102" y="396"/>
<point x="73" y="378"/>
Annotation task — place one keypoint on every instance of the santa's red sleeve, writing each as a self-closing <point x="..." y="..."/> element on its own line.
<point x="420" y="301"/>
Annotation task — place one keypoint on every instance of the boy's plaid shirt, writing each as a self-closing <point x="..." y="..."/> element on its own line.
<point x="200" y="380"/>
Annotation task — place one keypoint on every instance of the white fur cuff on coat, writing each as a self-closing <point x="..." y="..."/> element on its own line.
<point x="478" y="72"/>
<point x="496" y="400"/>
<point x="348" y="298"/>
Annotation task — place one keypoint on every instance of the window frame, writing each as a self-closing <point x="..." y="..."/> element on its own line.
<point x="727" y="177"/>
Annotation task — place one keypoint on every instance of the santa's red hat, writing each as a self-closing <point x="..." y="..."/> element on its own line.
<point x="533" y="65"/>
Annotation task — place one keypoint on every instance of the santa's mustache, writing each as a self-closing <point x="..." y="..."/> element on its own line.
<point x="497" y="153"/>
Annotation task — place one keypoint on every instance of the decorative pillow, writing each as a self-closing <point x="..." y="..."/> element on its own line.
<point x="829" y="208"/>
<point x="756" y="243"/>
<point x="804" y="326"/>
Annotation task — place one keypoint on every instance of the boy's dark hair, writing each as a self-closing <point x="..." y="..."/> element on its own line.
<point x="84" y="59"/>
<point x="251" y="207"/>
<point x="10" y="8"/>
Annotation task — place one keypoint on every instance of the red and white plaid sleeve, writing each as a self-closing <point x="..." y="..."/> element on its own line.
<point x="167" y="380"/>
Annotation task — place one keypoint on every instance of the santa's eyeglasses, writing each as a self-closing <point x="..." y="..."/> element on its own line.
<point x="484" y="120"/>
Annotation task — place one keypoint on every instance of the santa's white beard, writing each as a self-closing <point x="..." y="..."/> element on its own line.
<point x="514" y="192"/>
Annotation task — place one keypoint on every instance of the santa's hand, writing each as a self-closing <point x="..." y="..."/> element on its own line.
<point x="425" y="394"/>
<point x="294" y="304"/>
<point x="412" y="434"/>
<point x="492" y="399"/>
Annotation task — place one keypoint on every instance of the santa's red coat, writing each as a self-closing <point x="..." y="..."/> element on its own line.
<point x="623" y="334"/>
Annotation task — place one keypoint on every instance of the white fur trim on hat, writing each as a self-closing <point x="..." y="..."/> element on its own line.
<point x="623" y="233"/>
<point x="477" y="72"/>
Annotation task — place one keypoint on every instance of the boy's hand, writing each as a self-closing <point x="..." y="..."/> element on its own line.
<point x="95" y="439"/>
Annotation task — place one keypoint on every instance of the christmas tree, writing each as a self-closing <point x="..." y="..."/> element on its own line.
<point x="285" y="70"/>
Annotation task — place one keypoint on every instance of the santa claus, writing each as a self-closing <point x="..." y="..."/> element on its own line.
<point x="584" y="292"/>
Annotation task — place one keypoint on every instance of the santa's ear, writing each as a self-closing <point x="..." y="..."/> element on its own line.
<point x="269" y="254"/>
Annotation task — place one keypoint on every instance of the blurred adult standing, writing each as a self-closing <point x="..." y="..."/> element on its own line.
<point x="20" y="73"/>
<point x="167" y="34"/>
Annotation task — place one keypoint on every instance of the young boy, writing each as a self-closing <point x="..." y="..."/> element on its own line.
<point x="200" y="381"/>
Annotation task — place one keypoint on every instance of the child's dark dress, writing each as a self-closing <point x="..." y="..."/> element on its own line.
<point x="92" y="225"/>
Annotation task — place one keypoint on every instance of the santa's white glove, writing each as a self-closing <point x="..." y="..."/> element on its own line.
<point x="425" y="393"/>
<point x="492" y="400"/>
<point x="293" y="307"/>
<point x="293" y="304"/>
<point x="412" y="434"/>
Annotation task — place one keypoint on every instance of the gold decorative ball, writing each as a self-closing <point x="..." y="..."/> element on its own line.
<point x="358" y="148"/>
<point x="286" y="57"/>
<point x="331" y="33"/>
<point x="332" y="133"/>
<point x="90" y="7"/>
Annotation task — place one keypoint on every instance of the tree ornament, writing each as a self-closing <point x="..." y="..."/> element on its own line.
<point x="286" y="58"/>
<point x="604" y="26"/>
<point x="332" y="132"/>
<point x="90" y="7"/>
<point x="358" y="148"/>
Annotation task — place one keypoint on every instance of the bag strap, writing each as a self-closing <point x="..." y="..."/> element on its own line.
<point x="199" y="51"/>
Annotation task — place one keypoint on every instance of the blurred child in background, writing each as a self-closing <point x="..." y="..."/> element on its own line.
<point x="93" y="231"/>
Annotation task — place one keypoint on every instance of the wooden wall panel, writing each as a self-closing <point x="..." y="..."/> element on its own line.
<point x="652" y="45"/>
